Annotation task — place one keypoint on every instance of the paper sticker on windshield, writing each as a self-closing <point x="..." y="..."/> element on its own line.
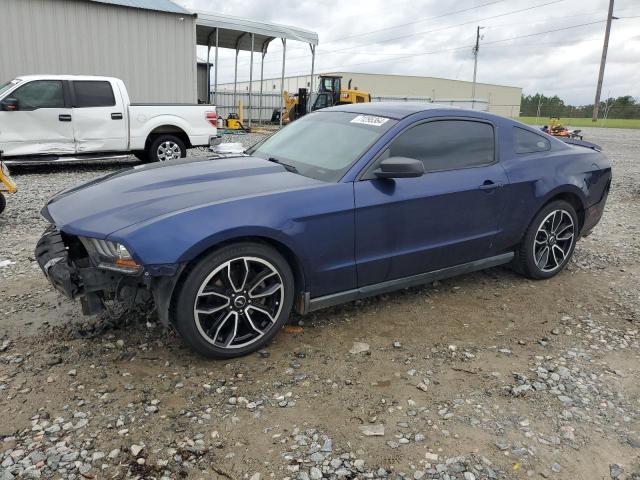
<point x="370" y="120"/>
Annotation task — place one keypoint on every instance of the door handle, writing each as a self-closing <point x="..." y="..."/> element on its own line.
<point x="489" y="186"/>
<point x="64" y="118"/>
<point x="116" y="116"/>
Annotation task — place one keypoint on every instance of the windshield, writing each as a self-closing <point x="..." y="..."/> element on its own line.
<point x="323" y="145"/>
<point x="6" y="86"/>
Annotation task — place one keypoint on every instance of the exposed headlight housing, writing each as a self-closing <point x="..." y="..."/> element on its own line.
<point x="112" y="256"/>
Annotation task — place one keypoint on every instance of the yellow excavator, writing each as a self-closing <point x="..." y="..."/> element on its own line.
<point x="330" y="93"/>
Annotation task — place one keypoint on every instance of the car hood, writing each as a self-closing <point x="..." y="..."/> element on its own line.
<point x="118" y="200"/>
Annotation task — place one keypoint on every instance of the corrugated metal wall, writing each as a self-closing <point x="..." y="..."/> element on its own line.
<point x="202" y="83"/>
<point x="503" y="100"/>
<point x="153" y="52"/>
<point x="224" y="102"/>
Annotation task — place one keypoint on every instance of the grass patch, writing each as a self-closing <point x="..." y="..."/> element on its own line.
<point x="585" y="122"/>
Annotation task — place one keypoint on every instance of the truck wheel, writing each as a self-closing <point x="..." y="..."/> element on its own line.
<point x="549" y="241"/>
<point x="165" y="148"/>
<point x="3" y="203"/>
<point x="234" y="300"/>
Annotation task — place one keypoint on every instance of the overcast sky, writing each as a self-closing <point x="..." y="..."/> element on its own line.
<point x="379" y="36"/>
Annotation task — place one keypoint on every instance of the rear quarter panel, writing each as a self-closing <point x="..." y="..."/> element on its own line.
<point x="536" y="178"/>
<point x="143" y="119"/>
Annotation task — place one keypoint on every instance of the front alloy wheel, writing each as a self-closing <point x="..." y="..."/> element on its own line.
<point x="238" y="302"/>
<point x="234" y="300"/>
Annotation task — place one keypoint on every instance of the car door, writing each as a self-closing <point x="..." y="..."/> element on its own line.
<point x="448" y="216"/>
<point x="40" y="124"/>
<point x="99" y="120"/>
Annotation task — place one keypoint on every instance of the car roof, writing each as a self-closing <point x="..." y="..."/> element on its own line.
<point x="26" y="78"/>
<point x="399" y="110"/>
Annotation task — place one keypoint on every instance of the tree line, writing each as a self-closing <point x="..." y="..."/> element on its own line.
<point x="541" y="105"/>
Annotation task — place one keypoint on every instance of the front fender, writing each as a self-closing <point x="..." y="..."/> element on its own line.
<point x="316" y="227"/>
<point x="217" y="238"/>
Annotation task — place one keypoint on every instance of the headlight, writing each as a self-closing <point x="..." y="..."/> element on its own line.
<point x="110" y="255"/>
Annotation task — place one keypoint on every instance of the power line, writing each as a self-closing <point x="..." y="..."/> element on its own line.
<point x="424" y="32"/>
<point x="465" y="47"/>
<point x="417" y="21"/>
<point x="337" y="51"/>
<point x="454" y="12"/>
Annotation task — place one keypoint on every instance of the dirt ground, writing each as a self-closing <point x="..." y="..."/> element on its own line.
<point x="488" y="375"/>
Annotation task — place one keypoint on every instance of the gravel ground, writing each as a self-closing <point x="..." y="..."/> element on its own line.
<point x="485" y="376"/>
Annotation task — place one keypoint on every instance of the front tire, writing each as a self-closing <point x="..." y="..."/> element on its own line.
<point x="3" y="203"/>
<point x="549" y="242"/>
<point x="165" y="148"/>
<point x="234" y="300"/>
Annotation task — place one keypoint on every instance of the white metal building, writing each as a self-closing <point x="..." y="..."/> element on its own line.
<point x="150" y="44"/>
<point x="500" y="99"/>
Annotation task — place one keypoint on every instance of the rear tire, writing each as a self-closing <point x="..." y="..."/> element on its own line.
<point x="234" y="300"/>
<point x="166" y="148"/>
<point x="549" y="242"/>
<point x="3" y="203"/>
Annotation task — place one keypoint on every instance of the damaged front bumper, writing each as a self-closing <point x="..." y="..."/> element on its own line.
<point x="71" y="271"/>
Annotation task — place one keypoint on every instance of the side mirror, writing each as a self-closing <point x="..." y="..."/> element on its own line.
<point x="400" y="167"/>
<point x="9" y="104"/>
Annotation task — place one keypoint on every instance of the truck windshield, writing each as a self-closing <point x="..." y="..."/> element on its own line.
<point x="6" y="86"/>
<point x="323" y="145"/>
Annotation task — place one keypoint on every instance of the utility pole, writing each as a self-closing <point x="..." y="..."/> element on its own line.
<point x="475" y="50"/>
<point x="603" y="60"/>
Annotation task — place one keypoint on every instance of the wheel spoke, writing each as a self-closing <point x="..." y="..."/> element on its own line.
<point x="555" y="249"/>
<point x="556" y="216"/>
<point x="250" y="320"/>
<point x="243" y="275"/>
<point x="263" y="311"/>
<point x="232" y="337"/>
<point x="222" y="324"/>
<point x="267" y="292"/>
<point x="209" y="311"/>
<point x="569" y="236"/>
<point x="542" y="258"/>
<point x="259" y="278"/>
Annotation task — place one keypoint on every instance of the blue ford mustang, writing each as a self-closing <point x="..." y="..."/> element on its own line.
<point x="344" y="203"/>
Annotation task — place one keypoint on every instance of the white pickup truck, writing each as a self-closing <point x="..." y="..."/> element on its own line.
<point x="65" y="118"/>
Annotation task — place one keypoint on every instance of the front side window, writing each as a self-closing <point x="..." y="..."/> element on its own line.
<point x="446" y="144"/>
<point x="525" y="141"/>
<point x="39" y="94"/>
<point x="324" y="145"/>
<point x="92" y="93"/>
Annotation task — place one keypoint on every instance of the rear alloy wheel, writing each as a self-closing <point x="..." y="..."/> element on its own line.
<point x="166" y="148"/>
<point x="235" y="300"/>
<point x="550" y="241"/>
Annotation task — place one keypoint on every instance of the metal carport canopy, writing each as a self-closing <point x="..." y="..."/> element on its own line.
<point x="226" y="31"/>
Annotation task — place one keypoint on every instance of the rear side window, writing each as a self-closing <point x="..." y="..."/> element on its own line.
<point x="39" y="94"/>
<point x="525" y="141"/>
<point x="93" y="94"/>
<point x="447" y="144"/>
